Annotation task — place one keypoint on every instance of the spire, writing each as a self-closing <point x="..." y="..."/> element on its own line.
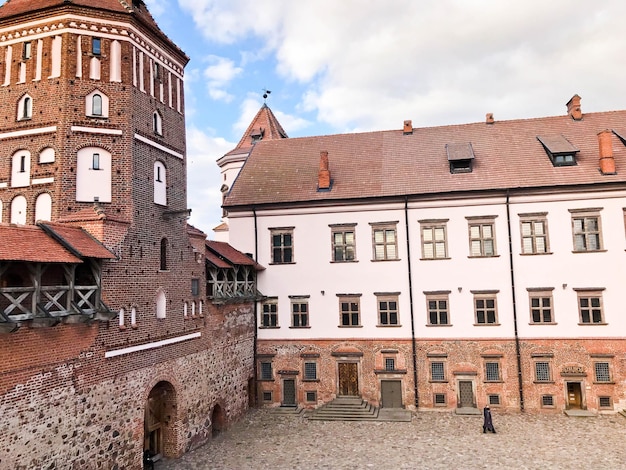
<point x="264" y="126"/>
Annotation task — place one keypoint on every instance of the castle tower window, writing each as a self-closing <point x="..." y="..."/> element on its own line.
<point x="93" y="185"/>
<point x="95" y="161"/>
<point x="26" y="50"/>
<point x="157" y="123"/>
<point x="20" y="169"/>
<point x="160" y="184"/>
<point x="96" y="109"/>
<point x="96" y="46"/>
<point x="97" y="104"/>
<point x="25" y="108"/>
<point x="163" y="263"/>
<point x="43" y="207"/>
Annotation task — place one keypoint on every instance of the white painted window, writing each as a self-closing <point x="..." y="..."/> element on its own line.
<point x="47" y="155"/>
<point x="93" y="184"/>
<point x="161" y="304"/>
<point x="20" y="169"/>
<point x="56" y="57"/>
<point x="133" y="317"/>
<point x="25" y="108"/>
<point x="97" y="104"/>
<point x="18" y="210"/>
<point x="43" y="207"/>
<point x="185" y="307"/>
<point x="160" y="184"/>
<point x="121" y="317"/>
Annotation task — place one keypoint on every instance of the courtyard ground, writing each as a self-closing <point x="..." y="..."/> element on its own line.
<point x="432" y="440"/>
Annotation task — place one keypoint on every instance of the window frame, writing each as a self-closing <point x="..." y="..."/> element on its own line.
<point x="441" y="377"/>
<point x="387" y="298"/>
<point x="389" y="364"/>
<point x="437" y="297"/>
<point x="385" y="228"/>
<point x="96" y="46"/>
<point x="481" y="222"/>
<point x="533" y="219"/>
<point x="157" y="123"/>
<point x="95" y="161"/>
<point x="96" y="105"/>
<point x="585" y="233"/>
<point x="306" y="376"/>
<point x="495" y="366"/>
<point x="269" y="312"/>
<point x="263" y="371"/>
<point x="541" y="295"/>
<point x="344" y="246"/>
<point x="300" y="301"/>
<point x="431" y="226"/>
<point x="597" y="377"/>
<point x="282" y="232"/>
<point x="544" y="376"/>
<point x="27" y="50"/>
<point x="349" y="299"/>
<point x="485" y="296"/>
<point x="586" y="312"/>
<point x="25" y="108"/>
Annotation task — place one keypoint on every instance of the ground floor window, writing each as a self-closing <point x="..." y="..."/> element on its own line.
<point x="311" y="396"/>
<point x="440" y="399"/>
<point x="267" y="396"/>
<point x="494" y="399"/>
<point x="547" y="401"/>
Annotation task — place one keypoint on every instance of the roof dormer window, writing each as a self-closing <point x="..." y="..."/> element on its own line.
<point x="559" y="149"/>
<point x="460" y="157"/>
<point x="256" y="134"/>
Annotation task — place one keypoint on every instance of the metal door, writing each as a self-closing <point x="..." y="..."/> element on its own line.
<point x="348" y="379"/>
<point x="466" y="394"/>
<point x="289" y="392"/>
<point x="391" y="393"/>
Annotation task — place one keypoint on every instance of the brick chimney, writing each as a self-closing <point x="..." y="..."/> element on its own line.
<point x="573" y="108"/>
<point x="607" y="161"/>
<point x="489" y="118"/>
<point x="408" y="127"/>
<point x="323" y="179"/>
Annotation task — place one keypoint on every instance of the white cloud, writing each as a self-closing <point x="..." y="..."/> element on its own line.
<point x="369" y="64"/>
<point x="219" y="73"/>
<point x="203" y="181"/>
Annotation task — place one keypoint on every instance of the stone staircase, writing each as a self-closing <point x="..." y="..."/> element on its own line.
<point x="345" y="409"/>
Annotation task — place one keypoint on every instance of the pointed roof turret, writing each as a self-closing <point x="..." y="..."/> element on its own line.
<point x="264" y="126"/>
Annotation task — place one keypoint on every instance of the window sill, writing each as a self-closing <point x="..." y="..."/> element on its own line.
<point x="310" y="380"/>
<point x="278" y="264"/>
<point x="163" y="271"/>
<point x="269" y="327"/>
<point x="540" y="382"/>
<point x="486" y="324"/>
<point x="484" y="256"/>
<point x="542" y="323"/>
<point x="589" y="251"/>
<point x="299" y="327"/>
<point x="383" y="260"/>
<point x="592" y="324"/>
<point x="603" y="383"/>
<point x="493" y="382"/>
<point x="265" y="380"/>
<point x="350" y="326"/>
<point x="345" y="262"/>
<point x="99" y="117"/>
<point x="438" y="381"/>
<point x="388" y="326"/>
<point x="536" y="254"/>
<point x="435" y="259"/>
<point x="438" y="324"/>
<point x="390" y="372"/>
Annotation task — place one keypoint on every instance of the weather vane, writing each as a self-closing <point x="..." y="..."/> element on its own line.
<point x="266" y="93"/>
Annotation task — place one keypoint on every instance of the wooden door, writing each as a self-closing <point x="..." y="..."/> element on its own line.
<point x="391" y="393"/>
<point x="348" y="378"/>
<point x="574" y="395"/>
<point x="466" y="394"/>
<point x="289" y="392"/>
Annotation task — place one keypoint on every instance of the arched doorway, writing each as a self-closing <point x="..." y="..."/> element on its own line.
<point x="159" y="419"/>
<point x="217" y="421"/>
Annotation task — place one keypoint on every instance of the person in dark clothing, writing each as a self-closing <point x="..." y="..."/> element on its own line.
<point x="488" y="423"/>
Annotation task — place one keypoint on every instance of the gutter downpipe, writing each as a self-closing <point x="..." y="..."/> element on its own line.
<point x="408" y="255"/>
<point x="254" y="340"/>
<point x="517" y="342"/>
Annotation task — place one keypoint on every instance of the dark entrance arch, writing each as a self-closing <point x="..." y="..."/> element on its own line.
<point x="159" y="419"/>
<point x="217" y="420"/>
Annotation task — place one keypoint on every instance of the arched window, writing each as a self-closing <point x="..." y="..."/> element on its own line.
<point x="93" y="175"/>
<point x="25" y="108"/>
<point x="20" y="169"/>
<point x="133" y="317"/>
<point x="43" y="207"/>
<point x="157" y="123"/>
<point x="121" y="318"/>
<point x="160" y="184"/>
<point x="185" y="306"/>
<point x="163" y="266"/>
<point x="161" y="304"/>
<point x="96" y="105"/>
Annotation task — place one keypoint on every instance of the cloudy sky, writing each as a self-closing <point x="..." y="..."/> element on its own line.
<point x="337" y="66"/>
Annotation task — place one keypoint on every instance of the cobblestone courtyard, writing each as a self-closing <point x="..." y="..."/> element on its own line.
<point x="433" y="440"/>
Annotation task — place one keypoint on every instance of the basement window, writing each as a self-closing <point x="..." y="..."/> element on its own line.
<point x="460" y="157"/>
<point x="559" y="149"/>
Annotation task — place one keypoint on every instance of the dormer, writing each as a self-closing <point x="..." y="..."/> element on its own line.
<point x="559" y="149"/>
<point x="256" y="134"/>
<point x="460" y="157"/>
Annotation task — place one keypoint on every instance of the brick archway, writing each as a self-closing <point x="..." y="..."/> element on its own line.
<point x="160" y="419"/>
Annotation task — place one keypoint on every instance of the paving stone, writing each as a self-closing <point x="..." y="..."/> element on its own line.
<point x="432" y="440"/>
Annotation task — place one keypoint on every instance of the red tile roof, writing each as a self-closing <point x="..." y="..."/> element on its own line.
<point x="78" y="241"/>
<point x="225" y="253"/>
<point x="265" y="122"/>
<point x="30" y="243"/>
<point x="389" y="163"/>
